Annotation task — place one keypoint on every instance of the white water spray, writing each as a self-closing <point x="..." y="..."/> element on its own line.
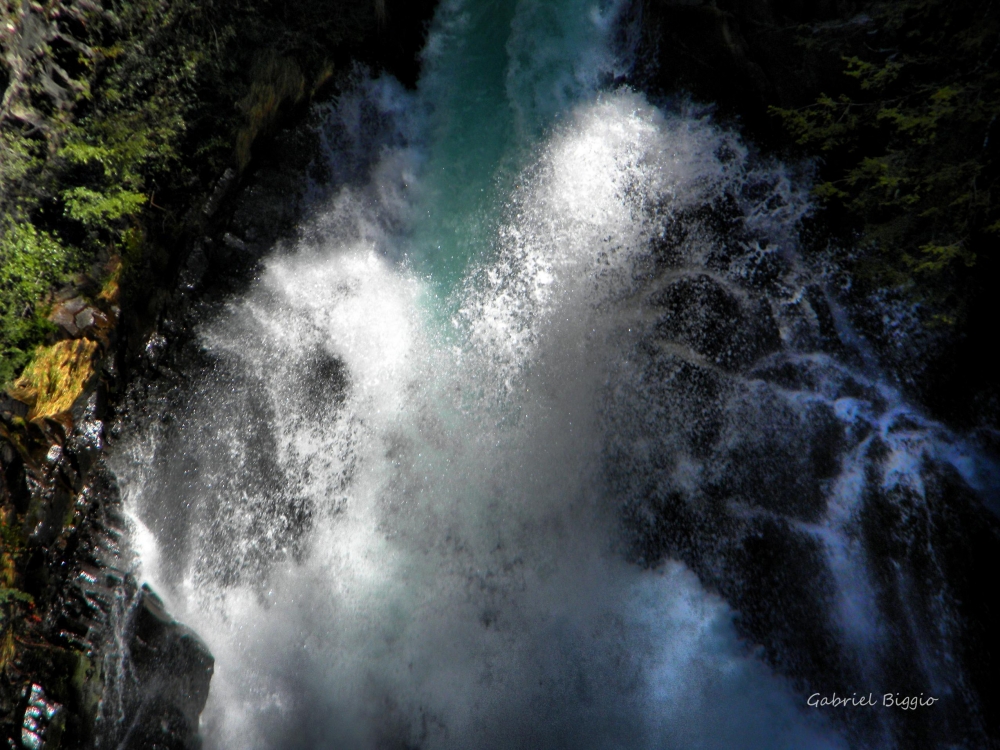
<point x="457" y="583"/>
<point x="385" y="508"/>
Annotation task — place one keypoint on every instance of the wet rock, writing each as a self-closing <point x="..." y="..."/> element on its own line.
<point x="718" y="323"/>
<point x="67" y="292"/>
<point x="776" y="578"/>
<point x="804" y="492"/>
<point x="760" y="268"/>
<point x="84" y="318"/>
<point x="230" y="255"/>
<point x="826" y="326"/>
<point x="773" y="456"/>
<point x="234" y="243"/>
<point x="326" y="378"/>
<point x="221" y="189"/>
<point x="827" y="438"/>
<point x="820" y="375"/>
<point x="690" y="397"/>
<point x="71" y="566"/>
<point x="43" y="722"/>
<point x="750" y="512"/>
<point x="172" y="671"/>
<point x="155" y="347"/>
<point x="10" y="407"/>
<point x="195" y="267"/>
<point x="65" y="315"/>
<point x="125" y="673"/>
<point x="927" y="547"/>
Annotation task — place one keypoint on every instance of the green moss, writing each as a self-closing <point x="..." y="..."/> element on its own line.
<point x="56" y="377"/>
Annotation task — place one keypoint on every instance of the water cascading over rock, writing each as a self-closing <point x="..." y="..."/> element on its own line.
<point x="540" y="413"/>
<point x="752" y="439"/>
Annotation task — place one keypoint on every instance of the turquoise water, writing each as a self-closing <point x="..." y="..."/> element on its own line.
<point x="470" y="133"/>
<point x="497" y="76"/>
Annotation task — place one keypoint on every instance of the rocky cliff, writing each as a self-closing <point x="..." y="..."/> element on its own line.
<point x="88" y="657"/>
<point x="895" y="106"/>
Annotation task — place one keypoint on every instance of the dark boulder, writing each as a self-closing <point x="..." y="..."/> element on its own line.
<point x="170" y="668"/>
<point x="750" y="439"/>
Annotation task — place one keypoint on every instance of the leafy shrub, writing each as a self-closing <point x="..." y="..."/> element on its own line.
<point x="910" y="147"/>
<point x="31" y="261"/>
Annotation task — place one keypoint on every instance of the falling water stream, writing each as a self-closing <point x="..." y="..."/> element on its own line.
<point x="392" y="505"/>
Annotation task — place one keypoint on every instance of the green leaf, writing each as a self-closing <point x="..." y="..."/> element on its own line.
<point x="7" y="595"/>
<point x="93" y="208"/>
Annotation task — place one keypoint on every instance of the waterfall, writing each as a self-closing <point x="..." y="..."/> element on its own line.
<point x="474" y="460"/>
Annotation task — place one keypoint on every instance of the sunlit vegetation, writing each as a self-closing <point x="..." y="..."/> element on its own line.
<point x="117" y="119"/>
<point x="31" y="262"/>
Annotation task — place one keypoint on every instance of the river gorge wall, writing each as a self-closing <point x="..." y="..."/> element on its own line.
<point x="736" y="334"/>
<point x="69" y="593"/>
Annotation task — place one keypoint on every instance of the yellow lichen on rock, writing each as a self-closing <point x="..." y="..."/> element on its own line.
<point x="56" y="377"/>
<point x="111" y="288"/>
<point x="7" y="576"/>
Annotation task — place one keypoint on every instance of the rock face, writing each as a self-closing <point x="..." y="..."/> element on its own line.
<point x="43" y="721"/>
<point x="87" y="658"/>
<point x="165" y="681"/>
<point x="747" y="57"/>
<point x="111" y="668"/>
<point x="31" y="68"/>
<point x="840" y="524"/>
<point x="719" y="325"/>
<point x="99" y="662"/>
<point x="753" y="442"/>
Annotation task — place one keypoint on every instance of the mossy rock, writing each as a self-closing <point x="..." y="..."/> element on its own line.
<point x="56" y="378"/>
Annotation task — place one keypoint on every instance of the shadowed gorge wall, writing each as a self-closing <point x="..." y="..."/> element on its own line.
<point x="123" y="128"/>
<point x="897" y="104"/>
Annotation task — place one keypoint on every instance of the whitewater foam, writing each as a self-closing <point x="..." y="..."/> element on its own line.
<point x="384" y="505"/>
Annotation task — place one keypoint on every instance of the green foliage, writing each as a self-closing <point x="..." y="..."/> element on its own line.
<point x="828" y="124"/>
<point x="94" y="209"/>
<point x="152" y="101"/>
<point x="31" y="261"/>
<point x="18" y="159"/>
<point x="907" y="145"/>
<point x="10" y="595"/>
<point x="76" y="181"/>
<point x="871" y="75"/>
